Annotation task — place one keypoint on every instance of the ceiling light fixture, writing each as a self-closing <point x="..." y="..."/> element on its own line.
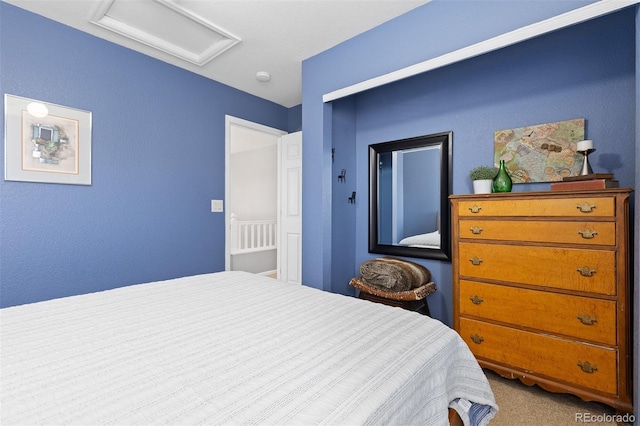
<point x="263" y="76"/>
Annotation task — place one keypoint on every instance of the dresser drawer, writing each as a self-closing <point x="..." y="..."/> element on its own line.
<point x="545" y="207"/>
<point x="580" y="317"/>
<point x="541" y="354"/>
<point x="578" y="232"/>
<point x="585" y="270"/>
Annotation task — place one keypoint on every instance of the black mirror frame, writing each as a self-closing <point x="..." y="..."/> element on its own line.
<point x="446" y="181"/>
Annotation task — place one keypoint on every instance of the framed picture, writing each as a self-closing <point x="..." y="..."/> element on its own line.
<point x="541" y="153"/>
<point x="45" y="142"/>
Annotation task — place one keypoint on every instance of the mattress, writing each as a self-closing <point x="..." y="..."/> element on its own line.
<point x="232" y="348"/>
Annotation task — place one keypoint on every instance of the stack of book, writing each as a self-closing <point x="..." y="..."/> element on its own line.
<point x="586" y="182"/>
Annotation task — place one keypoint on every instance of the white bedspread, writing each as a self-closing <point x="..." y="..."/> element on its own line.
<point x="229" y="348"/>
<point x="430" y="240"/>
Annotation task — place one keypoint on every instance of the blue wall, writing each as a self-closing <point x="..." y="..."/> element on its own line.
<point x="421" y="199"/>
<point x="418" y="203"/>
<point x="550" y="78"/>
<point x="343" y="128"/>
<point x="584" y="71"/>
<point x="429" y="31"/>
<point x="295" y="119"/>
<point x="587" y="71"/>
<point x="158" y="160"/>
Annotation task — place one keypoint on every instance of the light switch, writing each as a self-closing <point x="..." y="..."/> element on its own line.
<point x="216" y="206"/>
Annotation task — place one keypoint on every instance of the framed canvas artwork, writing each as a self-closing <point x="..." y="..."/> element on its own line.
<point x="541" y="153"/>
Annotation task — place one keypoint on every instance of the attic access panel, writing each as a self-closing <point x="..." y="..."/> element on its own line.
<point x="167" y="26"/>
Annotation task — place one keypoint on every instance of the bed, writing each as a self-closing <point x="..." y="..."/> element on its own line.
<point x="428" y="240"/>
<point x="232" y="348"/>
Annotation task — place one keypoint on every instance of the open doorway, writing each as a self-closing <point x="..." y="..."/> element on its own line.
<point x="251" y="197"/>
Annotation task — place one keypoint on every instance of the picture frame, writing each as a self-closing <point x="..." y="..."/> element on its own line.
<point x="45" y="142"/>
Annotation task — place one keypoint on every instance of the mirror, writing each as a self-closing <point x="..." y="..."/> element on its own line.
<point x="409" y="187"/>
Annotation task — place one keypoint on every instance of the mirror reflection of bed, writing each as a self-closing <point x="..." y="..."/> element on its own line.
<point x="430" y="239"/>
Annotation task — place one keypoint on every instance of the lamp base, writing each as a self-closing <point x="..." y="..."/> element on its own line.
<point x="586" y="167"/>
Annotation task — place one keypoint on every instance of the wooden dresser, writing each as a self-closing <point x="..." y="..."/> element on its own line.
<point x="542" y="292"/>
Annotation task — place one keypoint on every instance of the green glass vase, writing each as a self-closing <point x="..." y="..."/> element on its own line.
<point x="502" y="181"/>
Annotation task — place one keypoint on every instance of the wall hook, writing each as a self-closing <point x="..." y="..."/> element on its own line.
<point x="342" y="175"/>
<point x="352" y="199"/>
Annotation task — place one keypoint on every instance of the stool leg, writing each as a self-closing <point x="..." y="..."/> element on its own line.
<point x="425" y="308"/>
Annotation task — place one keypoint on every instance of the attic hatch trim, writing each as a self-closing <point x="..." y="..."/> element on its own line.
<point x="221" y="40"/>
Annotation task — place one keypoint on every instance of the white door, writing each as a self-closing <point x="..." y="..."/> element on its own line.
<point x="290" y="223"/>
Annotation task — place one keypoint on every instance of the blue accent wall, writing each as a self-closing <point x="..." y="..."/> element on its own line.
<point x="343" y="212"/>
<point x="588" y="70"/>
<point x="551" y="78"/>
<point x="421" y="198"/>
<point x="426" y="32"/>
<point x="158" y="159"/>
<point x="385" y="197"/>
<point x="295" y="119"/>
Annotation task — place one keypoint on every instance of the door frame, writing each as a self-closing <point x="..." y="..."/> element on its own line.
<point x="230" y="121"/>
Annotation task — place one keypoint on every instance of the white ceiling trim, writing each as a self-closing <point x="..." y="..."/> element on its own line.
<point x="124" y="22"/>
<point x="573" y="17"/>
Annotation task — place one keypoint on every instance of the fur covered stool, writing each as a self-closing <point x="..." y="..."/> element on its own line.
<point x="395" y="282"/>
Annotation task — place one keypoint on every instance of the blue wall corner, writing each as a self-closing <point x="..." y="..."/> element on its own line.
<point x="294" y="123"/>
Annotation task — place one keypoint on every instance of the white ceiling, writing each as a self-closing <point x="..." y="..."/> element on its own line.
<point x="202" y="35"/>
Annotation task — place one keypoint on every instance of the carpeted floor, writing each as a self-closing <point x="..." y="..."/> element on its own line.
<point x="524" y="405"/>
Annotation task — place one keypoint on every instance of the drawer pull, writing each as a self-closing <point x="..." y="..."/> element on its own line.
<point x="586" y="207"/>
<point x="476" y="300"/>
<point x="475" y="208"/>
<point x="587" y="319"/>
<point x="588" y="233"/>
<point x="476" y="339"/>
<point x="476" y="230"/>
<point x="587" y="367"/>
<point x="585" y="271"/>
<point x="475" y="260"/>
